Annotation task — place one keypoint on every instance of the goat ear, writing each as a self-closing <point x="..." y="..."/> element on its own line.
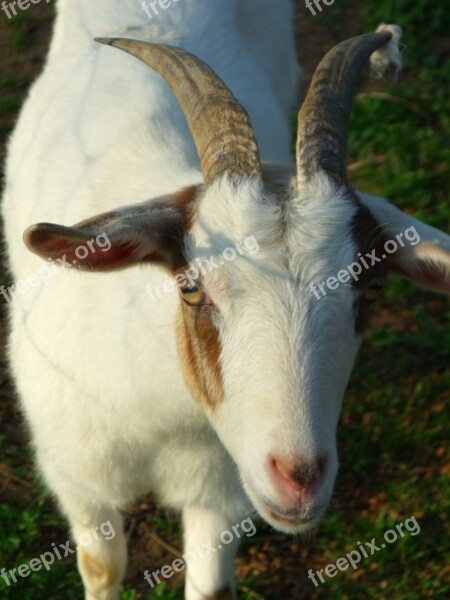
<point x="425" y="257"/>
<point x="148" y="232"/>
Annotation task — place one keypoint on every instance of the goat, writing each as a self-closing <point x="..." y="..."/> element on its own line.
<point x="223" y="394"/>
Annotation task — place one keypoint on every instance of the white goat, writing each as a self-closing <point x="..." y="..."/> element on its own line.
<point x="230" y="388"/>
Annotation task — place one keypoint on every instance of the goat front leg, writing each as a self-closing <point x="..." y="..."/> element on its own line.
<point x="210" y="545"/>
<point x="101" y="547"/>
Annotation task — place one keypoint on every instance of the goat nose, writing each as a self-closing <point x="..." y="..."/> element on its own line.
<point x="296" y="478"/>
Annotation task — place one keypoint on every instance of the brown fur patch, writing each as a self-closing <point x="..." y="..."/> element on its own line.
<point x="199" y="349"/>
<point x="198" y="338"/>
<point x="101" y="576"/>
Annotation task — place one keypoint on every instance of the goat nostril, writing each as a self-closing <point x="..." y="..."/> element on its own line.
<point x="299" y="476"/>
<point x="284" y="469"/>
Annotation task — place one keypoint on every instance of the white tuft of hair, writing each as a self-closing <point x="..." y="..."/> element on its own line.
<point x="389" y="53"/>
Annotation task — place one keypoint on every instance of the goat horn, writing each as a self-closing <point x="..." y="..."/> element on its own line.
<point x="325" y="113"/>
<point x="219" y="124"/>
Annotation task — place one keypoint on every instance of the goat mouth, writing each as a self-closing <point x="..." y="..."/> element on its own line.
<point x="296" y="517"/>
<point x="290" y="517"/>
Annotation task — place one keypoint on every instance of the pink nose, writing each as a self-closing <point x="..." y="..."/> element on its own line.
<point x="296" y="480"/>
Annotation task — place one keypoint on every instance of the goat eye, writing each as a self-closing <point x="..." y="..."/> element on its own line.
<point x="373" y="290"/>
<point x="193" y="295"/>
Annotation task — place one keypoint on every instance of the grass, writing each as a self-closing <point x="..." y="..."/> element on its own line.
<point x="393" y="432"/>
<point x="20" y="31"/>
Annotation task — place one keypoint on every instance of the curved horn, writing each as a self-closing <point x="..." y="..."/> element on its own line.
<point x="324" y="116"/>
<point x="219" y="124"/>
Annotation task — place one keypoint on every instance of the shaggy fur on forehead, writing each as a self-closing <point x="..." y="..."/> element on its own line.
<point x="289" y="229"/>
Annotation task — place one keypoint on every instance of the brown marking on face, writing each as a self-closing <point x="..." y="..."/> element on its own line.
<point x="100" y="575"/>
<point x="368" y="237"/>
<point x="197" y="337"/>
<point x="199" y="350"/>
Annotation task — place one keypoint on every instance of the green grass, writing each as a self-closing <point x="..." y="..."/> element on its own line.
<point x="20" y="31"/>
<point x="394" y="434"/>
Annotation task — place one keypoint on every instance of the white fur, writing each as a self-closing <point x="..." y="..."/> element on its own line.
<point x="389" y="54"/>
<point x="95" y="361"/>
<point x="271" y="349"/>
<point x="89" y="139"/>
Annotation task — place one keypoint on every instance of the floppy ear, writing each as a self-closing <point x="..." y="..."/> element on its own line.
<point x="149" y="232"/>
<point x="424" y="258"/>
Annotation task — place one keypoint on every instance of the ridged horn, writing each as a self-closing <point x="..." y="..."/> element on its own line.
<point x="324" y="116"/>
<point x="219" y="124"/>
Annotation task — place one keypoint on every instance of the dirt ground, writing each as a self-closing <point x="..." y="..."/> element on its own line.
<point x="273" y="559"/>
